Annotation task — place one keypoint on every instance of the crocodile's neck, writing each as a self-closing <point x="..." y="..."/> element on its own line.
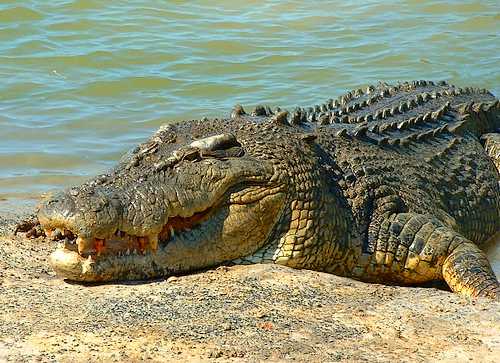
<point x="316" y="223"/>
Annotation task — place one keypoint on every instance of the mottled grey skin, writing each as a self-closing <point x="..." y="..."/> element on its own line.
<point x="390" y="184"/>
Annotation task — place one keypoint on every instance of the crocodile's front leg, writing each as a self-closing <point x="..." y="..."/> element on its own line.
<point x="413" y="248"/>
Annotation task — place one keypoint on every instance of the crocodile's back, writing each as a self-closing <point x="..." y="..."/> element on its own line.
<point x="449" y="177"/>
<point x="418" y="145"/>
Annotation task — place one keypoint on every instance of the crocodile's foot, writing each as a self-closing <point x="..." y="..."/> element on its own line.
<point x="412" y="249"/>
<point x="468" y="272"/>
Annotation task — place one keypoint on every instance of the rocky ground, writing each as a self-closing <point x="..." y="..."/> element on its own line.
<point x="243" y="313"/>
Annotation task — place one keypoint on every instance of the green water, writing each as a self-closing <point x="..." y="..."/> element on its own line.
<point x="83" y="81"/>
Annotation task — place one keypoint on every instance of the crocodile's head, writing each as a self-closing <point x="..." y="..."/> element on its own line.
<point x="191" y="197"/>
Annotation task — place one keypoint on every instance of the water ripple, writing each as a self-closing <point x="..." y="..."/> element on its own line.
<point x="83" y="81"/>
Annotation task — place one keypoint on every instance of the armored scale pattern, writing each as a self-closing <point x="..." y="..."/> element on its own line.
<point x="392" y="184"/>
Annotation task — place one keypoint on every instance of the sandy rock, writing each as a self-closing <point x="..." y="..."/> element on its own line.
<point x="242" y="313"/>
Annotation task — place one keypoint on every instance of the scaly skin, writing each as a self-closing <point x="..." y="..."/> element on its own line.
<point x="388" y="185"/>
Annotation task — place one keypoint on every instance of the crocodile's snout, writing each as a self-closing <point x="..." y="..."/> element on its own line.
<point x="82" y="218"/>
<point x="58" y="206"/>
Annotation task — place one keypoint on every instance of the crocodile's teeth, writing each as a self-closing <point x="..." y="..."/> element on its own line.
<point x="172" y="231"/>
<point x="84" y="245"/>
<point x="141" y="241"/>
<point x="127" y="252"/>
<point x="99" y="245"/>
<point x="153" y="243"/>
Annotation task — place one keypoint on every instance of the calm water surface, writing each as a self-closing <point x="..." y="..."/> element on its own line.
<point x="83" y="81"/>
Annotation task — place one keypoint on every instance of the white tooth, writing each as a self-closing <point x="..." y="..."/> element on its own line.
<point x="172" y="231"/>
<point x="135" y="251"/>
<point x="153" y="242"/>
<point x="128" y="251"/>
<point x="89" y="259"/>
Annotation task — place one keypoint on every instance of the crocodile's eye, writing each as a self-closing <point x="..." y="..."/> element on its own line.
<point x="217" y="142"/>
<point x="218" y="146"/>
<point x="232" y="152"/>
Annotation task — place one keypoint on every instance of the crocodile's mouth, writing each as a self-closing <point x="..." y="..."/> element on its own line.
<point x="124" y="256"/>
<point x="121" y="243"/>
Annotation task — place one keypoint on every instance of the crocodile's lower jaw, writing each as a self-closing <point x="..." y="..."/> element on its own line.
<point x="70" y="265"/>
<point x="66" y="263"/>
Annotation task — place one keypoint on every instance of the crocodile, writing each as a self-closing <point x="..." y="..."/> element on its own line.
<point x="392" y="184"/>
